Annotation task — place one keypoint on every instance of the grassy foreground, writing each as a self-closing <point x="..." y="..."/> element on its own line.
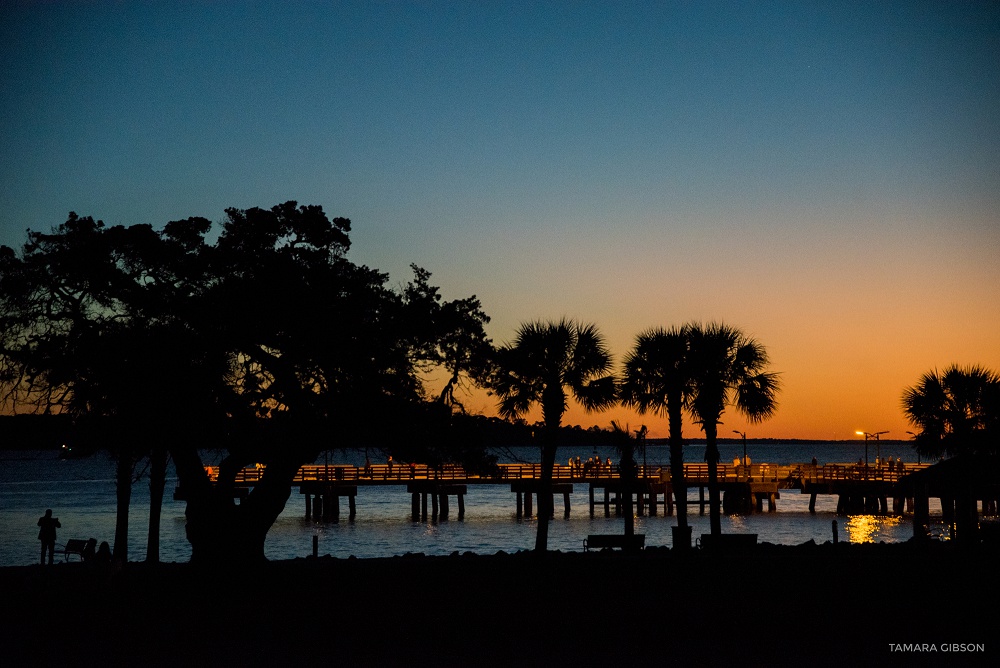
<point x="807" y="605"/>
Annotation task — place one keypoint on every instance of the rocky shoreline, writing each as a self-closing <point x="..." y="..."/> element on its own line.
<point x="769" y="605"/>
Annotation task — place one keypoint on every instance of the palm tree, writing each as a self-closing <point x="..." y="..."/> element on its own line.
<point x="957" y="411"/>
<point x="546" y="363"/>
<point x="727" y="369"/>
<point x="656" y="380"/>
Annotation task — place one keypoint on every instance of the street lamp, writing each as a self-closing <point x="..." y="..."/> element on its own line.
<point x="744" y="435"/>
<point x="867" y="435"/>
<point x="918" y="451"/>
<point x="641" y="435"/>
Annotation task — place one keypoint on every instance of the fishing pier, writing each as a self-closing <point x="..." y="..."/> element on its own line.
<point x="744" y="489"/>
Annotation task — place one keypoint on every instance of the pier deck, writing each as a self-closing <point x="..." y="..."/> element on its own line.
<point x="744" y="488"/>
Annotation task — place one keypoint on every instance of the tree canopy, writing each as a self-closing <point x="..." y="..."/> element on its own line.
<point x="267" y="342"/>
<point x="956" y="410"/>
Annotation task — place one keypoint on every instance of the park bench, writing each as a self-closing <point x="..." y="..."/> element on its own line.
<point x="74" y="546"/>
<point x="601" y="541"/>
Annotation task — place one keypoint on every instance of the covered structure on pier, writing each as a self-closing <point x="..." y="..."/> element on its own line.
<point x="962" y="483"/>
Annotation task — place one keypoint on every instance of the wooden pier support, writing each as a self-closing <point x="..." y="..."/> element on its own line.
<point x="438" y="493"/>
<point x="331" y="507"/>
<point x="615" y="495"/>
<point x="323" y="501"/>
<point x="523" y="491"/>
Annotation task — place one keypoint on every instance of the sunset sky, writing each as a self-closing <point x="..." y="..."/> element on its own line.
<point x="825" y="176"/>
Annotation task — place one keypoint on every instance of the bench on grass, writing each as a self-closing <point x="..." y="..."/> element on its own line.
<point x="601" y="541"/>
<point x="74" y="546"/>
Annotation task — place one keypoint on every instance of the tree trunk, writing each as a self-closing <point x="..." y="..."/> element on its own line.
<point x="545" y="493"/>
<point x="553" y="406"/>
<point x="220" y="531"/>
<point x="123" y="492"/>
<point x="677" y="459"/>
<point x="157" y="481"/>
<point x="628" y="478"/>
<point x="712" y="456"/>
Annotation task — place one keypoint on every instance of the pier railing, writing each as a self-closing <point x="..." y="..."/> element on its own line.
<point x="694" y="473"/>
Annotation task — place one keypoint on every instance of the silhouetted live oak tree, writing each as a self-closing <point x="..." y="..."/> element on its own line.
<point x="268" y="343"/>
<point x="87" y="329"/>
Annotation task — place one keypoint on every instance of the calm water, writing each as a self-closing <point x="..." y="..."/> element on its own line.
<point x="81" y="493"/>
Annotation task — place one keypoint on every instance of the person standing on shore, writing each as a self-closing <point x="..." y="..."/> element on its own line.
<point x="47" y="534"/>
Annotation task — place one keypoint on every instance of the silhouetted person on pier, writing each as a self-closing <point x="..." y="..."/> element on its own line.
<point x="47" y="534"/>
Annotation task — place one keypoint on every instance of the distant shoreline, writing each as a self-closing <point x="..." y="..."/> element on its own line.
<point x="650" y="442"/>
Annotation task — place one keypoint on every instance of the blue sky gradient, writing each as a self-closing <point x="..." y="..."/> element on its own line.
<point x="824" y="175"/>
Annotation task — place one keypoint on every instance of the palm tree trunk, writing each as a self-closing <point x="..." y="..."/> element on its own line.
<point x="628" y="478"/>
<point x="545" y="493"/>
<point x="712" y="455"/>
<point x="677" y="459"/>
<point x="157" y="481"/>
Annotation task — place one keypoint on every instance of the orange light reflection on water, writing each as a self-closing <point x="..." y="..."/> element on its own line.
<point x="868" y="528"/>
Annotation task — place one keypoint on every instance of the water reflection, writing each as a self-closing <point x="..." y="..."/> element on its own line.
<point x="738" y="524"/>
<point x="869" y="528"/>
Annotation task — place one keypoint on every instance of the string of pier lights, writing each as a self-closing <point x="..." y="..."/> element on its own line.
<point x="867" y="436"/>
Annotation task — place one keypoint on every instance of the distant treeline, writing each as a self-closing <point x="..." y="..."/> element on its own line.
<point x="49" y="432"/>
<point x="35" y="432"/>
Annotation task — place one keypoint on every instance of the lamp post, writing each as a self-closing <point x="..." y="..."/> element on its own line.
<point x="867" y="435"/>
<point x="744" y="435"/>
<point x="918" y="451"/>
<point x="641" y="433"/>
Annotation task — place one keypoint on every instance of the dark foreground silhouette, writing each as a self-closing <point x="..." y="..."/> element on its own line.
<point x="806" y="605"/>
<point x="47" y="526"/>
